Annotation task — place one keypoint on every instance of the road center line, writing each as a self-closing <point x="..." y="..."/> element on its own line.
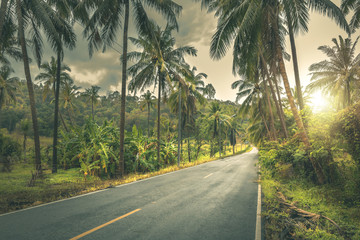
<point x="104" y="225"/>
<point x="209" y="175"/>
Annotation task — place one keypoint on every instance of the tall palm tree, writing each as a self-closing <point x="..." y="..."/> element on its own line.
<point x="184" y="101"/>
<point x="147" y="101"/>
<point x="36" y="17"/>
<point x="8" y="86"/>
<point x="297" y="16"/>
<point x="103" y="25"/>
<point x="157" y="61"/>
<point x="340" y="72"/>
<point x="93" y="96"/>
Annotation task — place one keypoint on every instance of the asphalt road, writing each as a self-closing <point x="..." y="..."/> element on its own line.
<point x="216" y="200"/>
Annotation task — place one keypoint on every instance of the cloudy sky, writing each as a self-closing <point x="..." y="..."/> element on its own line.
<point x="196" y="29"/>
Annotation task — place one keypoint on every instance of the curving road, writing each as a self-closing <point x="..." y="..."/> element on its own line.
<point x="216" y="200"/>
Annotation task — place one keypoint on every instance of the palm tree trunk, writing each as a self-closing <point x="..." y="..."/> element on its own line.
<point x="92" y="109"/>
<point x="29" y="86"/>
<point x="266" y="126"/>
<point x="279" y="97"/>
<point x="272" y="124"/>
<point x="348" y="93"/>
<point x="123" y="89"/>
<point x="189" y="150"/>
<point x="148" y="120"/>
<point x="3" y="8"/>
<point x="24" y="147"/>
<point x="179" y="127"/>
<point x="295" y="62"/>
<point x="71" y="120"/>
<point x="158" y="118"/>
<point x="56" y="114"/>
<point x="219" y="140"/>
<point x="63" y="122"/>
<point x="298" y="120"/>
<point x="277" y="103"/>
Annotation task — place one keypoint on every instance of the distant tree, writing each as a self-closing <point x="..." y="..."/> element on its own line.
<point x="92" y="95"/>
<point x="147" y="100"/>
<point x="209" y="91"/>
<point x="69" y="93"/>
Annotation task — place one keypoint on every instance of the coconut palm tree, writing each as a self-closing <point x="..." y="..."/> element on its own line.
<point x="9" y="45"/>
<point x="103" y="25"/>
<point x="69" y="93"/>
<point x="48" y="76"/>
<point x="218" y="121"/>
<point x="184" y="101"/>
<point x="209" y="91"/>
<point x="147" y="100"/>
<point x="158" y="60"/>
<point x="92" y="95"/>
<point x="8" y="86"/>
<point x="340" y="72"/>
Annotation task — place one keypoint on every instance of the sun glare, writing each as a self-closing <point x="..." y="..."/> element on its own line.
<point x="318" y="102"/>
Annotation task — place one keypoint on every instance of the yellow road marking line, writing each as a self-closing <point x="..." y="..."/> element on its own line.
<point x="104" y="225"/>
<point x="209" y="175"/>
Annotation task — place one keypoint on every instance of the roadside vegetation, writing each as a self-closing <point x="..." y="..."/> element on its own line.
<point x="15" y="192"/>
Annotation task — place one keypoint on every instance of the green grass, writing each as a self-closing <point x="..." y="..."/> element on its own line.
<point x="312" y="198"/>
<point x="15" y="193"/>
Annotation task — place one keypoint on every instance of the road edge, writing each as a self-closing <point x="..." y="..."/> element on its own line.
<point x="258" y="231"/>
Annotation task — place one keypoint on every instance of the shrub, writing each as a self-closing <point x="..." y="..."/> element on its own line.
<point x="347" y="128"/>
<point x="10" y="151"/>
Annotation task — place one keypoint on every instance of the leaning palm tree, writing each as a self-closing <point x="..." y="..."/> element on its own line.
<point x="158" y="60"/>
<point x="92" y="94"/>
<point x="103" y="25"/>
<point x="8" y="86"/>
<point x="147" y="100"/>
<point x="340" y="72"/>
<point x="242" y="20"/>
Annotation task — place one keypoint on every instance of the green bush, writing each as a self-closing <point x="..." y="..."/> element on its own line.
<point x="10" y="151"/>
<point x="347" y="128"/>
